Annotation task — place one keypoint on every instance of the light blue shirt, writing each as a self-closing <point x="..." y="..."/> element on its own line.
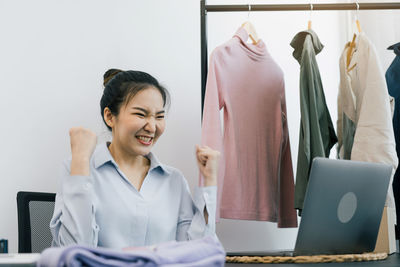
<point x="105" y="209"/>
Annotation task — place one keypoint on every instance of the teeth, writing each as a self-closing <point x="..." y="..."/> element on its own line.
<point x="145" y="139"/>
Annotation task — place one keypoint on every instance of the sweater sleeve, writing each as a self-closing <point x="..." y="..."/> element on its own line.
<point x="73" y="220"/>
<point x="191" y="222"/>
<point x="211" y="131"/>
<point x="287" y="215"/>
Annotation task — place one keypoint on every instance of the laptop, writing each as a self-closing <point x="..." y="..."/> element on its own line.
<point x="342" y="209"/>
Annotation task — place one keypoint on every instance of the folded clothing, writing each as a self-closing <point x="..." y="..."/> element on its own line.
<point x="206" y="251"/>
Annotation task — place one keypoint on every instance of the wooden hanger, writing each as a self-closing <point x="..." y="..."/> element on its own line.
<point x="358" y="26"/>
<point x="251" y="31"/>
<point x="249" y="27"/>
<point x="309" y="21"/>
<point x="352" y="44"/>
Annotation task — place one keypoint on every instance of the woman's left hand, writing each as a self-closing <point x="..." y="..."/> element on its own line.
<point x="207" y="160"/>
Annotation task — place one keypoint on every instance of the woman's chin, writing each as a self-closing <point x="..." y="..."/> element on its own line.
<point x="143" y="151"/>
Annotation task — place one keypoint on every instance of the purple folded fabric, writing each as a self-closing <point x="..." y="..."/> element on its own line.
<point x="207" y="251"/>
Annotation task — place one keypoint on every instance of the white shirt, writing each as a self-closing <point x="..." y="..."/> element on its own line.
<point x="105" y="209"/>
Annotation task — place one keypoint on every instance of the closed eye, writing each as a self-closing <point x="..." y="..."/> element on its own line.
<point x="139" y="114"/>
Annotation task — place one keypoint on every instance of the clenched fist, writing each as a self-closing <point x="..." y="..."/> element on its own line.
<point x="207" y="161"/>
<point x="83" y="143"/>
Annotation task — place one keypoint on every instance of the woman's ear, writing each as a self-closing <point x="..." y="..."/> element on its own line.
<point x="108" y="117"/>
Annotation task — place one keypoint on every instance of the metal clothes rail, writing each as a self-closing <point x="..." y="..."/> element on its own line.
<point x="204" y="8"/>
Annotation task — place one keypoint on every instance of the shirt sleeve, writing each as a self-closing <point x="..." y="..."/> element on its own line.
<point x="191" y="221"/>
<point x="73" y="220"/>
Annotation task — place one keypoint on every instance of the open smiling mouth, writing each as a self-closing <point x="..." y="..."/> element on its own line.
<point x="145" y="140"/>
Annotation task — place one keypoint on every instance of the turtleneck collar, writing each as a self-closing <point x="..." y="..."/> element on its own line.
<point x="258" y="49"/>
<point x="396" y="48"/>
<point x="298" y="43"/>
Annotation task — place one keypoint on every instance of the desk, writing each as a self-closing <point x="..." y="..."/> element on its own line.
<point x="16" y="260"/>
<point x="18" y="265"/>
<point x="392" y="261"/>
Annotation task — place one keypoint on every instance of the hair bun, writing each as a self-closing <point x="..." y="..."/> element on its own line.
<point x="109" y="74"/>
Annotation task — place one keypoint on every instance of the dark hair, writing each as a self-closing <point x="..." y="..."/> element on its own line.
<point x="120" y="86"/>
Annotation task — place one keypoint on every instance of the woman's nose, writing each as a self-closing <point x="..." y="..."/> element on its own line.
<point x="150" y="125"/>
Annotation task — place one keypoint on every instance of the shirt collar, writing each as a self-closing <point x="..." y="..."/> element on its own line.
<point x="156" y="164"/>
<point x="102" y="156"/>
<point x="396" y="48"/>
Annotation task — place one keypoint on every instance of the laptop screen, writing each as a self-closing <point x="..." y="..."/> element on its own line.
<point x="342" y="207"/>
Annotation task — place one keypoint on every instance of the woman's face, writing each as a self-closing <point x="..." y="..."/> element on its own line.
<point x="140" y="122"/>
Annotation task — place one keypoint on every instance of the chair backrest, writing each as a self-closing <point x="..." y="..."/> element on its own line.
<point x="35" y="210"/>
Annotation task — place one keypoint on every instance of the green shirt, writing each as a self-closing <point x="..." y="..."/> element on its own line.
<point x="317" y="135"/>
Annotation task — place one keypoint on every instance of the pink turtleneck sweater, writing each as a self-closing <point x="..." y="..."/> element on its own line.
<point x="256" y="177"/>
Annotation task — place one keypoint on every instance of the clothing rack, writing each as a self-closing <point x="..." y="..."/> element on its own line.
<point x="204" y="8"/>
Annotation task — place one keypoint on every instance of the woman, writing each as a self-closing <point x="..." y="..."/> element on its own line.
<point x="118" y="194"/>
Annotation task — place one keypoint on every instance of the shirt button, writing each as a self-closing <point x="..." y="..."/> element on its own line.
<point x="87" y="186"/>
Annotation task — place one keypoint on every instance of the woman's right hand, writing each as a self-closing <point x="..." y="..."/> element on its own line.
<point x="83" y="143"/>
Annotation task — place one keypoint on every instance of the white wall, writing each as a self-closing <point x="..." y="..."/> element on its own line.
<point x="383" y="30"/>
<point x="53" y="56"/>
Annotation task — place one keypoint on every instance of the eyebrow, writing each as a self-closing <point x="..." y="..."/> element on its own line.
<point x="145" y="111"/>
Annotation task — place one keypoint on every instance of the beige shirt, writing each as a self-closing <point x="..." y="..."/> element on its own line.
<point x="364" y="99"/>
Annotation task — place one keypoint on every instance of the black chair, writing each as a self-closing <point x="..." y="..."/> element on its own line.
<point x="35" y="210"/>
